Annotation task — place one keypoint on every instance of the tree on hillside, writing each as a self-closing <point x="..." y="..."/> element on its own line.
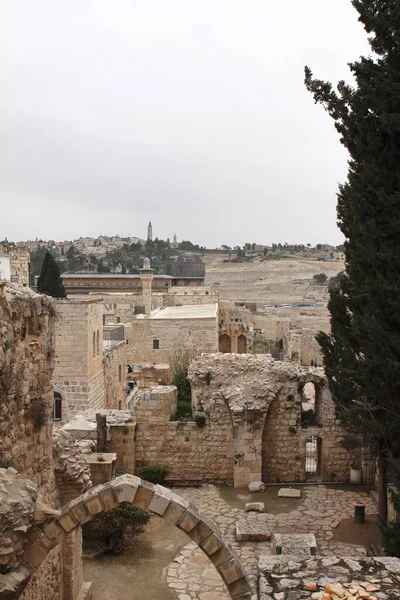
<point x="362" y="352"/>
<point x="49" y="281"/>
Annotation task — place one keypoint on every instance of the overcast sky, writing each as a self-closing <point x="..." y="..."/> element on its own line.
<point x="191" y="113"/>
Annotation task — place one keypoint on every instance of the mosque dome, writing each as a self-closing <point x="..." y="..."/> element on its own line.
<point x="189" y="266"/>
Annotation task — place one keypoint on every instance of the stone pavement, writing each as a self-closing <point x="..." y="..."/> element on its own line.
<point x="193" y="576"/>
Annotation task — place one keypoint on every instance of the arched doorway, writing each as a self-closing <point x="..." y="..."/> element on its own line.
<point x="224" y="343"/>
<point x="242" y="344"/>
<point x="159" y="501"/>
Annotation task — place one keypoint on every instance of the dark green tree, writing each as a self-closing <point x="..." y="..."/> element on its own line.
<point x="49" y="281"/>
<point x="362" y="352"/>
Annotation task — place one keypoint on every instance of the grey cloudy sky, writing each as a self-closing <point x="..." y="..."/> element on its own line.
<point x="190" y="112"/>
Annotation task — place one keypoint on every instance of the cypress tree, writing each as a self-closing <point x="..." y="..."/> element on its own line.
<point x="362" y="352"/>
<point x="49" y="281"/>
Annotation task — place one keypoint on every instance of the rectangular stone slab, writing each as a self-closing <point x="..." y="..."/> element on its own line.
<point x="289" y="493"/>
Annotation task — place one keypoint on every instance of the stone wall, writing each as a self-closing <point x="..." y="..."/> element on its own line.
<point x="26" y="397"/>
<point x="123" y="443"/>
<point x="197" y="334"/>
<point x="46" y="583"/>
<point x="20" y="265"/>
<point x="114" y="361"/>
<point x="87" y="375"/>
<point x="188" y="451"/>
<point x="263" y="407"/>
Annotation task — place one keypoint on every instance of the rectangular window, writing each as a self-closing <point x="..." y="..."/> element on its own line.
<point x="156" y="344"/>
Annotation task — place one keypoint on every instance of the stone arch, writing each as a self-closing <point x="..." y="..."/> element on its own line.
<point x="157" y="500"/>
<point x="224" y="343"/>
<point x="242" y="344"/>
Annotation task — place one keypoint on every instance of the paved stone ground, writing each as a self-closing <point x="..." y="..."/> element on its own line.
<point x="193" y="576"/>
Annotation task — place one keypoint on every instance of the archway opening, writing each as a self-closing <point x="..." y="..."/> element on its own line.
<point x="224" y="343"/>
<point x="242" y="344"/>
<point x="309" y="405"/>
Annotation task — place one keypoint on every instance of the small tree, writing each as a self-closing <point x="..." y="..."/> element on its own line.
<point x="112" y="525"/>
<point x="182" y="384"/>
<point x="49" y="281"/>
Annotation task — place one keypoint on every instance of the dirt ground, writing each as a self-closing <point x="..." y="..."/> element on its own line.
<point x="286" y="280"/>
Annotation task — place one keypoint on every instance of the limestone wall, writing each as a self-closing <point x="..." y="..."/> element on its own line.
<point x="26" y="397"/>
<point x="189" y="452"/>
<point x="198" y="335"/>
<point x="114" y="361"/>
<point x="46" y="583"/>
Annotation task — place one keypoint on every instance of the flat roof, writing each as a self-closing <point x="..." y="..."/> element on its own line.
<point x="197" y="311"/>
<point x="107" y="276"/>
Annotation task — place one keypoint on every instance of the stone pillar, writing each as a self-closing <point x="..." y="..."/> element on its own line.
<point x="248" y="427"/>
<point x="234" y="343"/>
<point x="146" y="277"/>
<point x="72" y="565"/>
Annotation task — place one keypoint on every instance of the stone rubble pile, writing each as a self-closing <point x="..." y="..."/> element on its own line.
<point x="17" y="505"/>
<point x="329" y="578"/>
<point x="114" y="417"/>
<point x="68" y="457"/>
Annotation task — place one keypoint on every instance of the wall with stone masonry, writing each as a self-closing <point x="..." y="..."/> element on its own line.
<point x="123" y="443"/>
<point x="20" y="265"/>
<point x="26" y="363"/>
<point x="264" y="410"/>
<point x="188" y="451"/>
<point x="115" y="372"/>
<point x="198" y="335"/>
<point x="46" y="583"/>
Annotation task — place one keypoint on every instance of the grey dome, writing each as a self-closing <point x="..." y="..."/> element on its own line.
<point x="189" y="266"/>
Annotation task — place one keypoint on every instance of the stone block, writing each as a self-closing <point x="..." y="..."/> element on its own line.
<point x="67" y="522"/>
<point x="239" y="588"/>
<point x="289" y="493"/>
<point x="188" y="521"/>
<point x="254" y="506"/>
<point x="296" y="544"/>
<point x="80" y="512"/>
<point x="231" y="571"/>
<point x="93" y="504"/>
<point x="124" y="491"/>
<point x="53" y="531"/>
<point x="201" y="532"/>
<point x="220" y="556"/>
<point x="246" y="532"/>
<point x="143" y="496"/>
<point x="256" y="486"/>
<point x="108" y="497"/>
<point x="159" y="504"/>
<point x="211" y="545"/>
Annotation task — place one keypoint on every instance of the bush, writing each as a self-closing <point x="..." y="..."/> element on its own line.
<point x="183" y="411"/>
<point x="112" y="525"/>
<point x="320" y="278"/>
<point x="182" y="384"/>
<point x="38" y="413"/>
<point x="350" y="443"/>
<point x="153" y="473"/>
<point x="200" y="421"/>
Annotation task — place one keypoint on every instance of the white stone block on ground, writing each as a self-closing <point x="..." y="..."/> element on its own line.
<point x="289" y="493"/>
<point x="249" y="532"/>
<point x="256" y="506"/>
<point x="256" y="486"/>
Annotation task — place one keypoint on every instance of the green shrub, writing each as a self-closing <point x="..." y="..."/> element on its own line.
<point x="101" y="459"/>
<point x="183" y="411"/>
<point x="153" y="473"/>
<point x="200" y="421"/>
<point x="112" y="525"/>
<point x="350" y="442"/>
<point x="182" y="384"/>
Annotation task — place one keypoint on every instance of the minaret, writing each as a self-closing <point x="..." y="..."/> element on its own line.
<point x="146" y="277"/>
<point x="149" y="232"/>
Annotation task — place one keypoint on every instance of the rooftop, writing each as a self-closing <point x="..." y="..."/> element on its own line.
<point x="198" y="311"/>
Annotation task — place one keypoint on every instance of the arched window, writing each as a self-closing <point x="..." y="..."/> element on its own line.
<point x="57" y="407"/>
<point x="94" y="344"/>
<point x="98" y="342"/>
<point x="120" y="373"/>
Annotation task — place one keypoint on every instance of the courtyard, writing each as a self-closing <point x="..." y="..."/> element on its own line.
<point x="325" y="511"/>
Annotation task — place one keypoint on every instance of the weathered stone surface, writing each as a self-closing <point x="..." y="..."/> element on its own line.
<point x="245" y="532"/>
<point x="254" y="506"/>
<point x="298" y="544"/>
<point x="289" y="493"/>
<point x="256" y="486"/>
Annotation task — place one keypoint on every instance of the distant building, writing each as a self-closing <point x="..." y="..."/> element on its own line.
<point x="175" y="243"/>
<point x="15" y="264"/>
<point x="149" y="232"/>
